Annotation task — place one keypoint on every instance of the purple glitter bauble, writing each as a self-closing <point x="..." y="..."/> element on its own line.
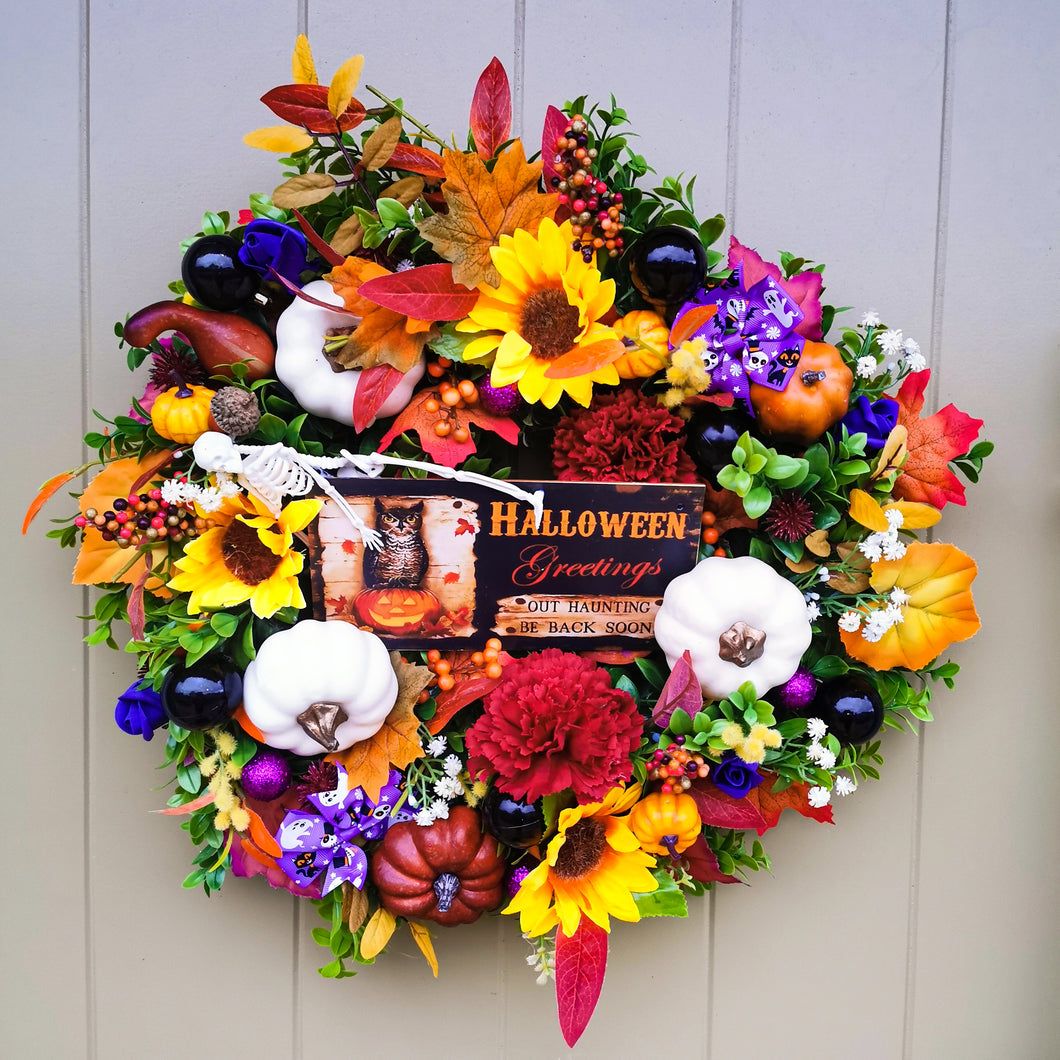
<point x="266" y="776"/>
<point x="798" y="691"/>
<point x="500" y="400"/>
<point x="515" y="881"/>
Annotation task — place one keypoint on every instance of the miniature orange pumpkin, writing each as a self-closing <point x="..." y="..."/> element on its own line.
<point x="450" y="873"/>
<point x="649" y="334"/>
<point x="664" y="823"/>
<point x="817" y="397"/>
<point x="182" y="413"/>
<point x="396" y="611"/>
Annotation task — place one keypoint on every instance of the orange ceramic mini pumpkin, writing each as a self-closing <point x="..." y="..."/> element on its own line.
<point x="396" y="611"/>
<point x="450" y="873"/>
<point x="182" y="413"/>
<point x="646" y="335"/>
<point x="817" y="397"/>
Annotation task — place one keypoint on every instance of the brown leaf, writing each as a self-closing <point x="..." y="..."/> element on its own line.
<point x="727" y="508"/>
<point x="405" y="191"/>
<point x="396" y="744"/>
<point x="380" y="145"/>
<point x="348" y="236"/>
<point x="856" y="581"/>
<point x="818" y="543"/>
<point x="483" y="206"/>
<point x="303" y="190"/>
<point x="354" y="907"/>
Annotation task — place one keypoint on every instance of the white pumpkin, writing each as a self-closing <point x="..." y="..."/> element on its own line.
<point x="740" y="621"/>
<point x="319" y="686"/>
<point x="302" y="367"/>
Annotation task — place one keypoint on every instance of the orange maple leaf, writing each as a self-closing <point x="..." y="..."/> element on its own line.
<point x="483" y="206"/>
<point x="794" y="797"/>
<point x="932" y="443"/>
<point x="383" y="336"/>
<point x="447" y="451"/>
<point x="397" y="743"/>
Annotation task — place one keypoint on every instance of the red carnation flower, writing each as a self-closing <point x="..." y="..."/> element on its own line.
<point x="624" y="436"/>
<point x="555" y="722"/>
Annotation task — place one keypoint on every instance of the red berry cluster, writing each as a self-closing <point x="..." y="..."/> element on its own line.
<point x="144" y="519"/>
<point x="676" y="768"/>
<point x="596" y="213"/>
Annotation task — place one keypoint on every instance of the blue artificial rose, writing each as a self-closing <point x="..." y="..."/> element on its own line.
<point x="876" y="419"/>
<point x="273" y="244"/>
<point x="734" y="776"/>
<point x="139" y="711"/>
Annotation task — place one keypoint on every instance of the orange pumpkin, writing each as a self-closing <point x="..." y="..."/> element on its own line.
<point x="817" y="397"/>
<point x="396" y="611"/>
<point x="646" y="335"/>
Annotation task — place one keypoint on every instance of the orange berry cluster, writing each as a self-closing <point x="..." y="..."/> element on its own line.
<point x="676" y="768"/>
<point x="459" y="666"/>
<point x="447" y="400"/>
<point x="596" y="212"/>
<point x="142" y="519"/>
<point x="710" y="533"/>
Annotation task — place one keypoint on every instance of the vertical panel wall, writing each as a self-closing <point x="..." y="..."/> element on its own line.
<point x="909" y="146"/>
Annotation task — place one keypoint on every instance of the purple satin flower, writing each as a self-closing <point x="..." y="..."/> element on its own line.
<point x="734" y="776"/>
<point x="876" y="419"/>
<point x="139" y="711"/>
<point x="272" y="244"/>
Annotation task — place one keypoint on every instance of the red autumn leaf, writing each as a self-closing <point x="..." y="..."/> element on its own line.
<point x="581" y="961"/>
<point x="314" y="239"/>
<point x="462" y="694"/>
<point x="373" y="388"/>
<point x="556" y="123"/>
<point x="307" y="106"/>
<point x="681" y="690"/>
<point x="491" y="110"/>
<point x="136" y="606"/>
<point x="932" y="443"/>
<point x="451" y="577"/>
<point x="426" y="293"/>
<point x="415" y="159"/>
<point x="463" y="527"/>
<point x="771" y="804"/>
<point x="446" y="451"/>
<point x="723" y="811"/>
<point x="689" y="322"/>
<point x="804" y="287"/>
<point x="703" y="864"/>
<point x="585" y="359"/>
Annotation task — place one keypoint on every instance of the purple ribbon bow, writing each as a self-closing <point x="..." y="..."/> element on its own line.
<point x="751" y="338"/>
<point x="313" y="843"/>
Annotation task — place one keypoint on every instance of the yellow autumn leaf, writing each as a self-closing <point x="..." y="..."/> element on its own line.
<point x="893" y="453"/>
<point x="866" y="510"/>
<point x="915" y="515"/>
<point x="422" y="937"/>
<point x="283" y="139"/>
<point x="344" y="84"/>
<point x="940" y="611"/>
<point x="377" y="933"/>
<point x="302" y="69"/>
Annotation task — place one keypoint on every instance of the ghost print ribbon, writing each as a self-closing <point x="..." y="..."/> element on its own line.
<point x="749" y="337"/>
<point x="324" y="841"/>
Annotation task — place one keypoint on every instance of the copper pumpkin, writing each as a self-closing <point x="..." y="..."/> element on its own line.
<point x="450" y="873"/>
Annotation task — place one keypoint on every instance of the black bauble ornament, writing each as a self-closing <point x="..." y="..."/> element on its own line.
<point x="203" y="695"/>
<point x="850" y="707"/>
<point x="214" y="275"/>
<point x="666" y="265"/>
<point x="710" y="436"/>
<point x="512" y="821"/>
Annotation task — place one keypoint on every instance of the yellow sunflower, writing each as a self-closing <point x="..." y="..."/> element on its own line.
<point x="542" y="322"/>
<point x="593" y="867"/>
<point x="246" y="556"/>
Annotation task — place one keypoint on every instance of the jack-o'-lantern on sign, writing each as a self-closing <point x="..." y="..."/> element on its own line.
<point x="396" y="611"/>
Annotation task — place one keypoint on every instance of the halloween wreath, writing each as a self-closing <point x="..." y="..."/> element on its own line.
<point x="489" y="541"/>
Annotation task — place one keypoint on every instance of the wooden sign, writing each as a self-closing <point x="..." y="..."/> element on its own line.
<point x="464" y="562"/>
